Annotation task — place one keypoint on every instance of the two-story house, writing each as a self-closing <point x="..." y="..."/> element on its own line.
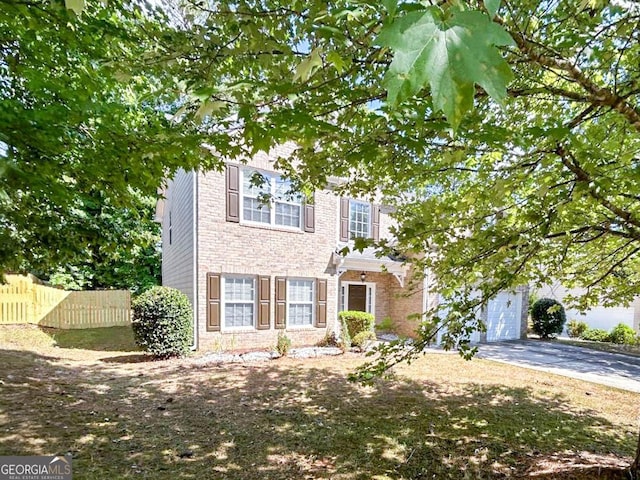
<point x="255" y="259"/>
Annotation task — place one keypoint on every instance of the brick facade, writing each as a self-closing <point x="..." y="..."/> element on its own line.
<point x="228" y="248"/>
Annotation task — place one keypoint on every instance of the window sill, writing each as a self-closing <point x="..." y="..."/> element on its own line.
<point x="238" y="330"/>
<point x="276" y="228"/>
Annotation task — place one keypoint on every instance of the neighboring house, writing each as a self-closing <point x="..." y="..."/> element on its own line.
<point x="598" y="316"/>
<point x="253" y="268"/>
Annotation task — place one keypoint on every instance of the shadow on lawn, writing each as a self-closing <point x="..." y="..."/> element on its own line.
<point x="277" y="421"/>
<point x="107" y="339"/>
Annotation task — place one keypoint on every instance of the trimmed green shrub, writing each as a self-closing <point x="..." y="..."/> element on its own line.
<point x="596" y="335"/>
<point x="623" y="334"/>
<point x="548" y="317"/>
<point x="283" y="344"/>
<point x="361" y="339"/>
<point x="575" y="328"/>
<point x="345" y="338"/>
<point x="357" y="321"/>
<point x="163" y="322"/>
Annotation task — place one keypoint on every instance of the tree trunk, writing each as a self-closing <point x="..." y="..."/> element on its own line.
<point x="635" y="466"/>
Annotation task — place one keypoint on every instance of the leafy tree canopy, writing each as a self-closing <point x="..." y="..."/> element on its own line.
<point x="506" y="133"/>
<point x="83" y="130"/>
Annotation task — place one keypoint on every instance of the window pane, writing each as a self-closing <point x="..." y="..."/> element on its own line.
<point x="359" y="217"/>
<point x="300" y="291"/>
<point x="256" y="211"/>
<point x="287" y="214"/>
<point x="239" y="289"/>
<point x="284" y="191"/>
<point x="238" y="315"/>
<point x="248" y="178"/>
<point x="300" y="314"/>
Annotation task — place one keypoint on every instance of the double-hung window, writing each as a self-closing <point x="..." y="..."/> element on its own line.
<point x="300" y="295"/>
<point x="359" y="219"/>
<point x="270" y="199"/>
<point x="239" y="302"/>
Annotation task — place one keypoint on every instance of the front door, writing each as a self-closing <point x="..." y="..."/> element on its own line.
<point x="357" y="298"/>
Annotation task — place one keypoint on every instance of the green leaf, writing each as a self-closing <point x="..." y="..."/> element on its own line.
<point x="308" y="66"/>
<point x="450" y="56"/>
<point x="208" y="107"/>
<point x="391" y="6"/>
<point x="492" y="7"/>
<point x="337" y="61"/>
<point x="77" y="6"/>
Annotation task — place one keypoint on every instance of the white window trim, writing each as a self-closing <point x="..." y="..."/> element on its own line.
<point x="370" y="299"/>
<point x="223" y="304"/>
<point x="370" y="222"/>
<point x="271" y="177"/>
<point x="313" y="304"/>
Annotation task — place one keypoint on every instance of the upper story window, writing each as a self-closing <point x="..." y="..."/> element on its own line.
<point x="268" y="198"/>
<point x="359" y="219"/>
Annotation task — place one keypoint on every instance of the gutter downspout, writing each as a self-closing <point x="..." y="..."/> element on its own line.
<point x="195" y="260"/>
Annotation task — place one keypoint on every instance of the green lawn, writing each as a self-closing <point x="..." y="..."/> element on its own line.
<point x="441" y="417"/>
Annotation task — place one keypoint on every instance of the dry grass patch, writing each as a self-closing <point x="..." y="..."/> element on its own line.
<point x="441" y="417"/>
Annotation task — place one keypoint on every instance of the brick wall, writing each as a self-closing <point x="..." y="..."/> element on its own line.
<point x="241" y="248"/>
<point x="407" y="302"/>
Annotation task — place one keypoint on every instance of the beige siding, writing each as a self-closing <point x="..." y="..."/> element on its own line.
<point x="178" y="246"/>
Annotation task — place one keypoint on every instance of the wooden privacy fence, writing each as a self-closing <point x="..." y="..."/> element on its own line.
<point x="24" y="301"/>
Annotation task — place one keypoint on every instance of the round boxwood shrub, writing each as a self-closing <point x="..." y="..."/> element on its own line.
<point x="623" y="334"/>
<point x="162" y="322"/>
<point x="548" y="317"/>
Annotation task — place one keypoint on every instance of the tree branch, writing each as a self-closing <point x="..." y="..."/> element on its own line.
<point x="599" y="96"/>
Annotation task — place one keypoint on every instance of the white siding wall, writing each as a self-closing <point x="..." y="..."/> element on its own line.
<point x="598" y="317"/>
<point x="178" y="247"/>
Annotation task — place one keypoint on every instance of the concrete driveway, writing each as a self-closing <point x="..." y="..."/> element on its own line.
<point x="615" y="370"/>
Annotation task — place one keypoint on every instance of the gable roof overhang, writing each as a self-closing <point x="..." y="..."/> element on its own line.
<point x="369" y="261"/>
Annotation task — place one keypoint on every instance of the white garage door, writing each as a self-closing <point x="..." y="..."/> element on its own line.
<point x="473" y="338"/>
<point x="503" y="317"/>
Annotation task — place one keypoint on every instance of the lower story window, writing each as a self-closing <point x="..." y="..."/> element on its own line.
<point x="239" y="302"/>
<point x="300" y="302"/>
